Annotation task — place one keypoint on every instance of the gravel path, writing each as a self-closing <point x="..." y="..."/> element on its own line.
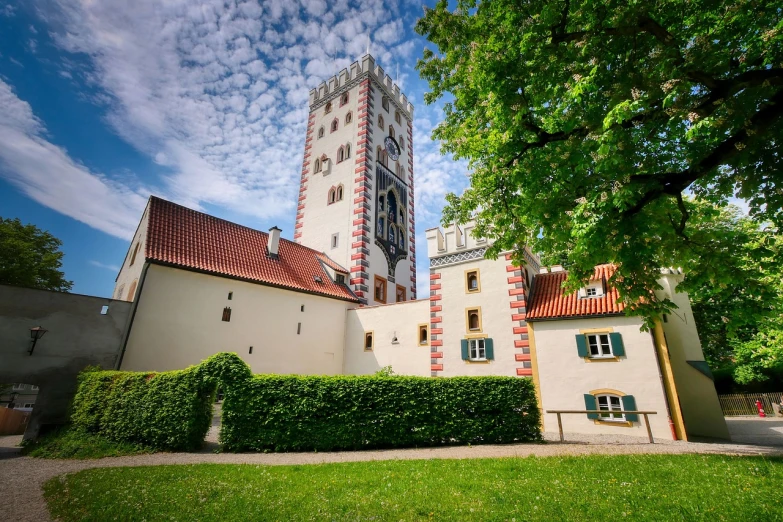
<point x="23" y="499"/>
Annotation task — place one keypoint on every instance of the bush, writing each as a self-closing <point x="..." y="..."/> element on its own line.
<point x="167" y="410"/>
<point x="68" y="442"/>
<point x="299" y="413"/>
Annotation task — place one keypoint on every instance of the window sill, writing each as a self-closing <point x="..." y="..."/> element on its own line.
<point x="478" y="361"/>
<point x="601" y="359"/>
<point x="619" y="424"/>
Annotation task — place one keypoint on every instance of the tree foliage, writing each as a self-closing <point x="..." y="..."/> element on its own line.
<point x="584" y="123"/>
<point x="30" y="257"/>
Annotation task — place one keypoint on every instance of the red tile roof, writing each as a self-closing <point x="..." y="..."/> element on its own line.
<point x="182" y="237"/>
<point x="549" y="301"/>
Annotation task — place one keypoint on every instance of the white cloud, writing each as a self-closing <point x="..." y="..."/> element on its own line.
<point x="46" y="174"/>
<point x="110" y="267"/>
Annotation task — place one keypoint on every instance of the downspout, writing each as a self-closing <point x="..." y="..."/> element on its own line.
<point x="136" y="302"/>
<point x="666" y="374"/>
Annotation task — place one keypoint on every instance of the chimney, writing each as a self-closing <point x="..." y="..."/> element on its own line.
<point x="273" y="242"/>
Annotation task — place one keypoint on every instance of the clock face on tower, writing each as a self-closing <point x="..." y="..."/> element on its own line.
<point x="392" y="148"/>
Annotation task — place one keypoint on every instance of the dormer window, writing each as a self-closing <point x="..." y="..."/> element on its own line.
<point x="592" y="290"/>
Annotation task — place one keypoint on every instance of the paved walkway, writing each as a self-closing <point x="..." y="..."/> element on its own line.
<point x="24" y="500"/>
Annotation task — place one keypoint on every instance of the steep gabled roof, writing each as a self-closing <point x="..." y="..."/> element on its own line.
<point x="549" y="301"/>
<point x="185" y="238"/>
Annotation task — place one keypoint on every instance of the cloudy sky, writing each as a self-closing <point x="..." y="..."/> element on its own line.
<point x="203" y="102"/>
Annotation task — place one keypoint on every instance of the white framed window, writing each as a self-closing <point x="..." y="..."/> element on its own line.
<point x="477" y="350"/>
<point x="613" y="405"/>
<point x="599" y="345"/>
<point x="591" y="291"/>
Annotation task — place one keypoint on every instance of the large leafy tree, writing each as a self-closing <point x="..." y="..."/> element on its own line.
<point x="30" y="257"/>
<point x="584" y="123"/>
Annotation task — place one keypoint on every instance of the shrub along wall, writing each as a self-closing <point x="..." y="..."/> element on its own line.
<point x="300" y="413"/>
<point x="167" y="410"/>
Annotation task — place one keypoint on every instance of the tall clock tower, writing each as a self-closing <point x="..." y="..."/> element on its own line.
<point x="356" y="193"/>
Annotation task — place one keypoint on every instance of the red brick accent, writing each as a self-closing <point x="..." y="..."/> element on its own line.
<point x="524" y="371"/>
<point x="436" y="308"/>
<point x="521" y="356"/>
<point x="436" y="342"/>
<point x="512" y="268"/>
<point x="436" y="367"/>
<point x="516" y="279"/>
<point x="517" y="317"/>
<point x="435" y="298"/>
<point x="434" y="276"/>
<point x="434" y="287"/>
<point x="516" y="291"/>
<point x="521" y="344"/>
<point x="436" y="331"/>
<point x="354" y="257"/>
<point x="436" y="355"/>
<point x="358" y="244"/>
<point x="361" y="221"/>
<point x="520" y="329"/>
<point x="436" y="319"/>
<point x="356" y="281"/>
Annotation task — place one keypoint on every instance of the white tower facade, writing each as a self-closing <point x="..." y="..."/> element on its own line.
<point x="356" y="197"/>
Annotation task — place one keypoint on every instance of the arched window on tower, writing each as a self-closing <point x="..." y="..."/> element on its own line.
<point x="348" y="118"/>
<point x="339" y="195"/>
<point x="385" y="103"/>
<point x="317" y="165"/>
<point x="402" y="143"/>
<point x="381" y="203"/>
<point x="380" y="121"/>
<point x="343" y="99"/>
<point x="328" y="108"/>
<point x="397" y="116"/>
<point x="335" y="123"/>
<point x="340" y="154"/>
<point x="347" y="150"/>
<point x="332" y="196"/>
<point x="391" y="131"/>
<point x="321" y="132"/>
<point x="401" y="239"/>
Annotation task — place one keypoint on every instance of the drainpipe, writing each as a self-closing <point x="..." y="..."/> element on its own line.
<point x="663" y="387"/>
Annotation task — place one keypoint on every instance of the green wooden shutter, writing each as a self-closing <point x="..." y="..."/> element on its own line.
<point x="465" y="355"/>
<point x="629" y="403"/>
<point x="489" y="349"/>
<point x="618" y="349"/>
<point x="591" y="404"/>
<point x="581" y="346"/>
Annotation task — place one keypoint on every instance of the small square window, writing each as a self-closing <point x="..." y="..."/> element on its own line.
<point x="380" y="289"/>
<point x="591" y="291"/>
<point x="599" y="345"/>
<point x="340" y="279"/>
<point x="477" y="350"/>
<point x="472" y="284"/>
<point x="473" y="317"/>
<point x="104" y="310"/>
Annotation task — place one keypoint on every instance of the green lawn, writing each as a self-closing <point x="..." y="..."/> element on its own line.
<point x="635" y="487"/>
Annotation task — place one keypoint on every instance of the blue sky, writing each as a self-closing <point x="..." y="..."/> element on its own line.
<point x="104" y="103"/>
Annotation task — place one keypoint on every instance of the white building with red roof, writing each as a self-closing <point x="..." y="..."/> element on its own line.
<point x="341" y="297"/>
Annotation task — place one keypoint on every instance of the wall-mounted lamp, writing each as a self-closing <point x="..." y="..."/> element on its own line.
<point x="36" y="333"/>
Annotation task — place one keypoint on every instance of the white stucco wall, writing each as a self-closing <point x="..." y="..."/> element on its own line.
<point x="701" y="409"/>
<point x="178" y="323"/>
<point x="565" y="377"/>
<point x="131" y="273"/>
<point x="493" y="299"/>
<point x="408" y="357"/>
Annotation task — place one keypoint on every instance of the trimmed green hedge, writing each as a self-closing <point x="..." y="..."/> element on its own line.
<point x="299" y="413"/>
<point x="173" y="410"/>
<point x="167" y="410"/>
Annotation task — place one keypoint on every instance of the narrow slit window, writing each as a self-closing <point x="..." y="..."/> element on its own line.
<point x="301" y="309"/>
<point x="250" y="351"/>
<point x="424" y="336"/>
<point x="472" y="281"/>
<point x="368" y="341"/>
<point x="474" y="320"/>
<point x="298" y="328"/>
<point x="230" y="296"/>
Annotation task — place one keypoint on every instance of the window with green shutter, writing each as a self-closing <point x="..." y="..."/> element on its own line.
<point x="465" y="354"/>
<point x="600" y="345"/>
<point x="477" y="349"/>
<point x="629" y="404"/>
